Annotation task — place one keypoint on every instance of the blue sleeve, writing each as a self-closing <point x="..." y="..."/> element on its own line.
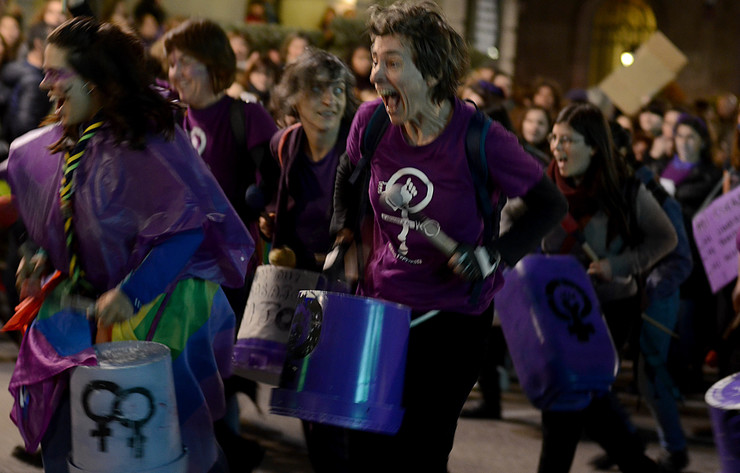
<point x="160" y="267"/>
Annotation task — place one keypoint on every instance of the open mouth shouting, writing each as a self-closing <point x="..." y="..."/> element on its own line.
<point x="391" y="99"/>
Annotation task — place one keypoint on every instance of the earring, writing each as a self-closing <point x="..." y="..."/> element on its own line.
<point x="87" y="88"/>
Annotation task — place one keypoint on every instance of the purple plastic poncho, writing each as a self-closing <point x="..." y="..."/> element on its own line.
<point x="127" y="201"/>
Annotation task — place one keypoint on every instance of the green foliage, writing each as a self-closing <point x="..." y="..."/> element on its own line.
<point x="266" y="36"/>
<point x="347" y="33"/>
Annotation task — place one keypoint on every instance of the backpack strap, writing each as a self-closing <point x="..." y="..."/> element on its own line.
<point x="374" y="132"/>
<point x="283" y="138"/>
<point x="475" y="151"/>
<point x="238" y="125"/>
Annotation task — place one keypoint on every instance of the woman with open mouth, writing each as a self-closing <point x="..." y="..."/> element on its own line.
<point x="135" y="228"/>
<point x="622" y="231"/>
<point x="420" y="172"/>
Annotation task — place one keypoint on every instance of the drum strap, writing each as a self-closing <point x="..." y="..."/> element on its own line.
<point x="423" y="318"/>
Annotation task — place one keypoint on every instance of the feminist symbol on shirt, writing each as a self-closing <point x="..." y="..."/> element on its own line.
<point x="570" y="302"/>
<point x="124" y="406"/>
<point x="399" y="195"/>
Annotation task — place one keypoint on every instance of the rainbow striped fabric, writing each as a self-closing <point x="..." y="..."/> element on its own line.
<point x="195" y="320"/>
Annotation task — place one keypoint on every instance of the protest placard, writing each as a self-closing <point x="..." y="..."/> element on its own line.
<point x="715" y="229"/>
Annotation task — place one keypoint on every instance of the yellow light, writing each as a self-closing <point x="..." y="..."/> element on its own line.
<point x="627" y="58"/>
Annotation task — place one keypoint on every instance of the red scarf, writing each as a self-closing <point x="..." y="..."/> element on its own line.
<point x="583" y="201"/>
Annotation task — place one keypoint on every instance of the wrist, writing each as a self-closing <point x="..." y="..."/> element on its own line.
<point x="488" y="260"/>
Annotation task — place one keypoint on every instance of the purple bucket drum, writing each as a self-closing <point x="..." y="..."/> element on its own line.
<point x="557" y="337"/>
<point x="346" y="362"/>
<point x="262" y="340"/>
<point x="723" y="399"/>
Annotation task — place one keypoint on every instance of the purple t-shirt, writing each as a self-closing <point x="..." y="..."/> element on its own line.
<point x="212" y="137"/>
<point x="313" y="211"/>
<point x="434" y="180"/>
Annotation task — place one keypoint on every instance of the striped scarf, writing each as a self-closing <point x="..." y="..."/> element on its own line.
<point x="72" y="161"/>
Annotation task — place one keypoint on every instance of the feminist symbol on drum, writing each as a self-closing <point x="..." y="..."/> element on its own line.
<point x="124" y="408"/>
<point x="570" y="302"/>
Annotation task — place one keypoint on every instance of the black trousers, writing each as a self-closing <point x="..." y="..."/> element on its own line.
<point x="603" y="419"/>
<point x="443" y="362"/>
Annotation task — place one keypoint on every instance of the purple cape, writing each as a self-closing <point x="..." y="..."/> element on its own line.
<point x="127" y="201"/>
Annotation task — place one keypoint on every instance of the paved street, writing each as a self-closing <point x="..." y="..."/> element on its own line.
<point x="482" y="446"/>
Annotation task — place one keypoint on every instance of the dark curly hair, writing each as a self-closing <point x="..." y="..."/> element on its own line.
<point x="439" y="52"/>
<point x="114" y="62"/>
<point x="315" y="67"/>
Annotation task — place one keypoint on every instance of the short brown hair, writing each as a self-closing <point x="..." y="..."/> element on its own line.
<point x="439" y="52"/>
<point x="207" y="42"/>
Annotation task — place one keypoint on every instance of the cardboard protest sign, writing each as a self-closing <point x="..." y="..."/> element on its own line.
<point x="657" y="62"/>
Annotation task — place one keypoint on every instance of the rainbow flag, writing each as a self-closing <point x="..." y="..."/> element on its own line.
<point x="56" y="341"/>
<point x="194" y="320"/>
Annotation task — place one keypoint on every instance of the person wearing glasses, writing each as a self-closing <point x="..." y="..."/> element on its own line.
<point x="628" y="232"/>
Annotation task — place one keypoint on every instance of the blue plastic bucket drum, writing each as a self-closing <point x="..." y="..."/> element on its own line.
<point x="345" y="362"/>
<point x="723" y="399"/>
<point x="558" y="340"/>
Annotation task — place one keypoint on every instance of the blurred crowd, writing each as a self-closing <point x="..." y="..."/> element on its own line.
<point x="690" y="149"/>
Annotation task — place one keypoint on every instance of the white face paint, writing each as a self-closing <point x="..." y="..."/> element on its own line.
<point x="191" y="79"/>
<point x="75" y="99"/>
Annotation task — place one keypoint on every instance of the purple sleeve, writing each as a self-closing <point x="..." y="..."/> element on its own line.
<point x="358" y="127"/>
<point x="509" y="165"/>
<point x="737" y="241"/>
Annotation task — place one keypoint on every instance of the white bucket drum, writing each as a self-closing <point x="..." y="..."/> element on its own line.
<point x="261" y="345"/>
<point x="124" y="412"/>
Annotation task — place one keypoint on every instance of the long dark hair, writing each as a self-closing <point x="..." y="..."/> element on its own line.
<point x="608" y="173"/>
<point x="114" y="62"/>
